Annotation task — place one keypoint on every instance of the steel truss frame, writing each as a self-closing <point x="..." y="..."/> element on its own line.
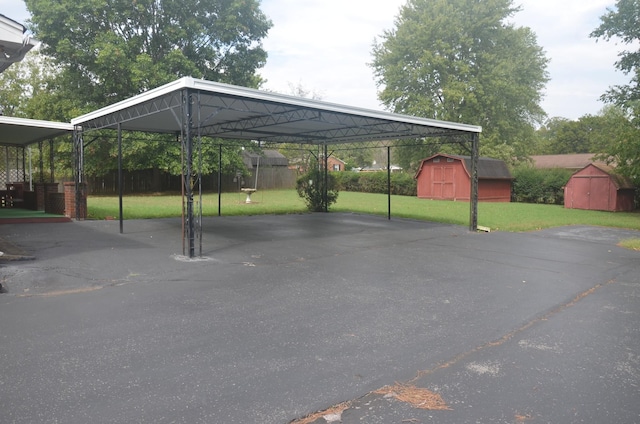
<point x="193" y="109"/>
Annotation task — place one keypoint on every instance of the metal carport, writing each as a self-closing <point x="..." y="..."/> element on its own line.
<point x="19" y="133"/>
<point x="193" y="108"/>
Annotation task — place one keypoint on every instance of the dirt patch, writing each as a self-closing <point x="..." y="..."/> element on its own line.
<point x="327" y="415"/>
<point x="415" y="396"/>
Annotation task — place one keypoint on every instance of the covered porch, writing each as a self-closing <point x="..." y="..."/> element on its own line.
<point x="28" y="190"/>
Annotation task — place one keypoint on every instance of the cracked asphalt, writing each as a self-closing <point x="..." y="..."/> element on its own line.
<point x="285" y="318"/>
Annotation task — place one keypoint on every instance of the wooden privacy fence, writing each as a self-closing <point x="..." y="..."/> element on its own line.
<point x="153" y="181"/>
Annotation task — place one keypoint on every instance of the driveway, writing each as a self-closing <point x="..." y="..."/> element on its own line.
<point x="364" y="319"/>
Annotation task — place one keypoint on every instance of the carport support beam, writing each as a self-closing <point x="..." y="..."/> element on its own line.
<point x="78" y="151"/>
<point x="475" y="153"/>
<point x="120" y="177"/>
<point x="325" y="189"/>
<point x="187" y="137"/>
<point x="389" y="183"/>
<point x="219" y="179"/>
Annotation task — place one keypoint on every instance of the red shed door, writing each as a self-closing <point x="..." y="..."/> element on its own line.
<point x="599" y="189"/>
<point x="591" y="192"/>
<point x="443" y="182"/>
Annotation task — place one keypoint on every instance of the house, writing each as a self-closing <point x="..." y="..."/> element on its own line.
<point x="448" y="177"/>
<point x="597" y="187"/>
<point x="335" y="164"/>
<point x="376" y="167"/>
<point x="573" y="161"/>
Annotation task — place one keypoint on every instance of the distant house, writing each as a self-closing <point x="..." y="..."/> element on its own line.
<point x="335" y="164"/>
<point x="573" y="161"/>
<point x="596" y="187"/>
<point x="376" y="167"/>
<point x="448" y="177"/>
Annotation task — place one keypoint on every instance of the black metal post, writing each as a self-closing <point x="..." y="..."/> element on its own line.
<point x="389" y="182"/>
<point x="325" y="189"/>
<point x="24" y="165"/>
<point x="120" y="178"/>
<point x="475" y="153"/>
<point x="78" y="150"/>
<point x="187" y="111"/>
<point x="219" y="179"/>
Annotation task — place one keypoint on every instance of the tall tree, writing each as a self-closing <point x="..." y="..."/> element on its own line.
<point x="623" y="148"/>
<point x="109" y="50"/>
<point x="620" y="142"/>
<point x="113" y="49"/>
<point x="621" y="23"/>
<point x="460" y="60"/>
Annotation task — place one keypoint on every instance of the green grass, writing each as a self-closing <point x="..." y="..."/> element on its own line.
<point x="497" y="216"/>
<point x="165" y="206"/>
<point x="633" y="244"/>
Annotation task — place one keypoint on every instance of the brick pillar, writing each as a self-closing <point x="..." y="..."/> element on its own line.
<point x="40" y="195"/>
<point x="70" y="200"/>
<point x="42" y="192"/>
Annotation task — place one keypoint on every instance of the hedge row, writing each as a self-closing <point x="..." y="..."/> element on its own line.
<point x="532" y="185"/>
<point x="402" y="184"/>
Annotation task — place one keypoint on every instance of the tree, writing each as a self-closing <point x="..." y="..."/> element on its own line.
<point x="110" y="49"/>
<point x="623" y="148"/>
<point x="459" y="60"/>
<point x="589" y="134"/>
<point x="621" y="22"/>
<point x="621" y="145"/>
<point x="566" y="136"/>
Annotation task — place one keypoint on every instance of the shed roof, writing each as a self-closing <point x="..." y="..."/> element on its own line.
<point x="620" y="181"/>
<point x="266" y="158"/>
<point x="232" y="112"/>
<point x="488" y="168"/>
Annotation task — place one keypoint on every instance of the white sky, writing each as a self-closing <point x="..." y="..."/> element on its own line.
<point x="325" y="45"/>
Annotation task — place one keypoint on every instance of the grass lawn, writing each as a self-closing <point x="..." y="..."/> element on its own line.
<point x="497" y="216"/>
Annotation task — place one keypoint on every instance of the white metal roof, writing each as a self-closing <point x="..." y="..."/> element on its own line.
<point x="23" y="132"/>
<point x="232" y="112"/>
<point x="14" y="42"/>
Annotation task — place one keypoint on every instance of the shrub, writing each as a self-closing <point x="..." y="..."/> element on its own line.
<point x="376" y="182"/>
<point x="311" y="187"/>
<point x="531" y="185"/>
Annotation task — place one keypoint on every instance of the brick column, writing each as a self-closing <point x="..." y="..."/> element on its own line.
<point x="70" y="200"/>
<point x="40" y="195"/>
<point x="42" y="192"/>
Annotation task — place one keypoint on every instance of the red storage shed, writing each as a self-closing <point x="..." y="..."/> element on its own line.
<point x="596" y="187"/>
<point x="448" y="177"/>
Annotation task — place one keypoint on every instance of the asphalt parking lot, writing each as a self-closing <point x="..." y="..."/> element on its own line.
<point x="317" y="318"/>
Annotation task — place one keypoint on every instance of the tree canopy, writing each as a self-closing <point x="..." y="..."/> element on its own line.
<point x="621" y="23"/>
<point x="107" y="50"/>
<point x="112" y="49"/>
<point x="588" y="134"/>
<point x="462" y="61"/>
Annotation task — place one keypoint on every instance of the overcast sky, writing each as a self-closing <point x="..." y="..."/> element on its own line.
<point x="325" y="45"/>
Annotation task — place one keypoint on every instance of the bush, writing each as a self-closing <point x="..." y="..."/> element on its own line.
<point x="531" y="185"/>
<point x="402" y="184"/>
<point x="310" y="187"/>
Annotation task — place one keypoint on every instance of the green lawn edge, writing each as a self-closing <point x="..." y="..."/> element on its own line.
<point x="512" y="217"/>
